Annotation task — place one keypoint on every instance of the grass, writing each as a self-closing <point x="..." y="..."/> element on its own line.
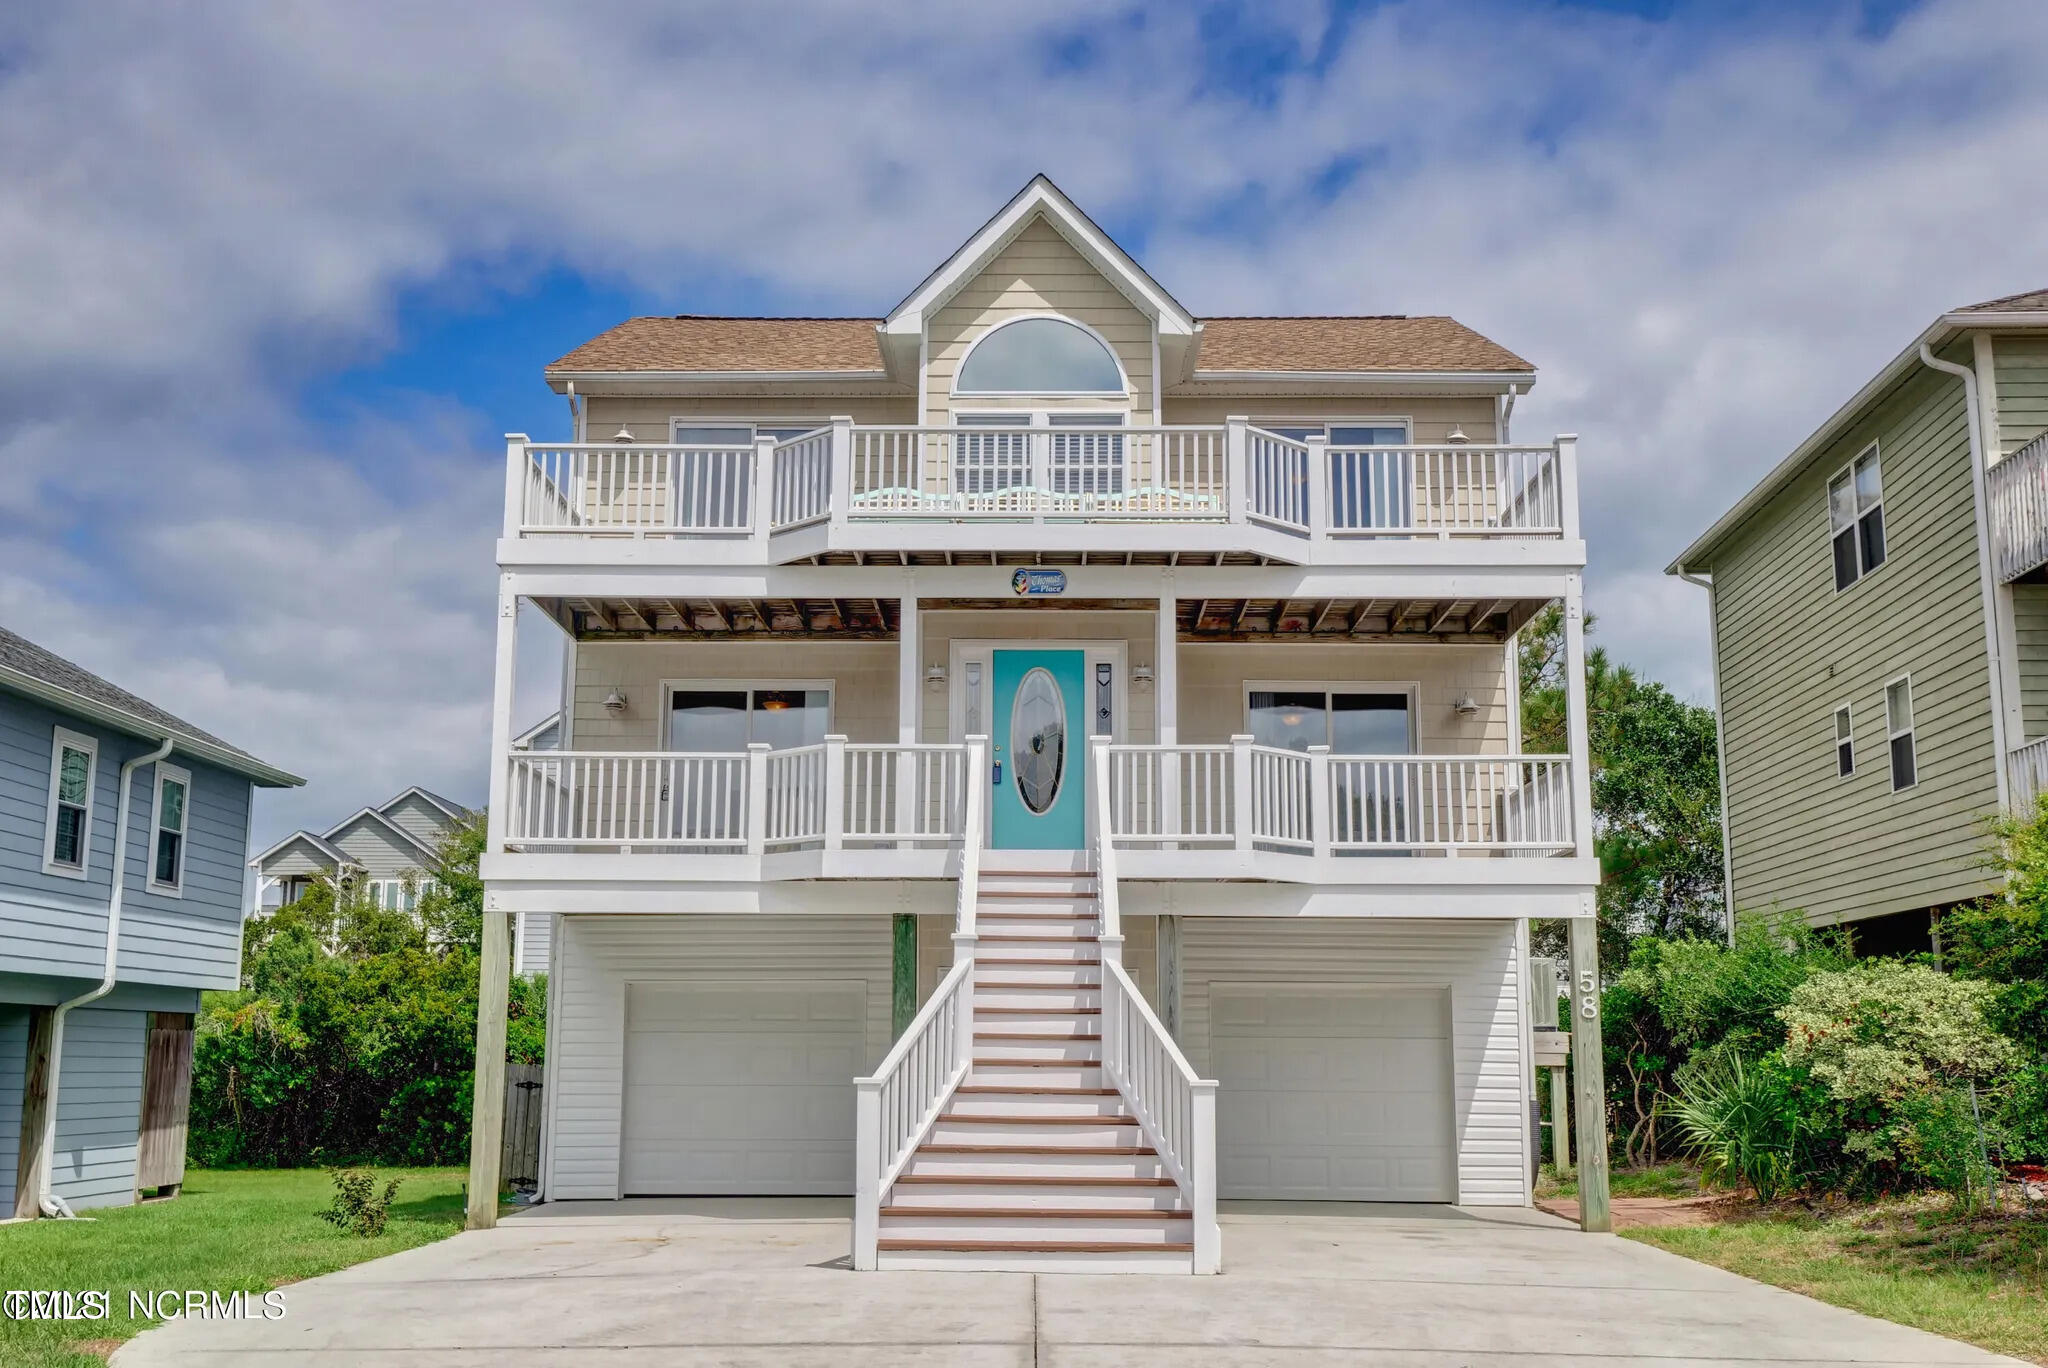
<point x="1658" y="1180"/>
<point x="227" y="1230"/>
<point x="1982" y="1279"/>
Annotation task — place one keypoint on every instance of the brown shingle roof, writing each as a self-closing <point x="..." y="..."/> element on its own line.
<point x="693" y="342"/>
<point x="2019" y="303"/>
<point x="1383" y="343"/>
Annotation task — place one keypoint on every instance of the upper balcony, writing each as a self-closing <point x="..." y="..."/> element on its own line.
<point x="2018" y="489"/>
<point x="849" y="494"/>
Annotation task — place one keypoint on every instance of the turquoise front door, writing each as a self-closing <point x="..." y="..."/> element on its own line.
<point x="1039" y="746"/>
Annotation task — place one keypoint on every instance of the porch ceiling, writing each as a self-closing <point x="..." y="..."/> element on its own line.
<point x="1198" y="619"/>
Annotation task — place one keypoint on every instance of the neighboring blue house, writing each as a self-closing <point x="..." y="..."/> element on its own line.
<point x="119" y="1061"/>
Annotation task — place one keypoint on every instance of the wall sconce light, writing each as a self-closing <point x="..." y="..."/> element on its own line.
<point x="1456" y="435"/>
<point x="615" y="702"/>
<point x="935" y="677"/>
<point x="1465" y="705"/>
<point x="1141" y="676"/>
<point x="624" y="436"/>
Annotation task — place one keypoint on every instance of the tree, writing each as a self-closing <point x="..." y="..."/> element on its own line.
<point x="1656" y="791"/>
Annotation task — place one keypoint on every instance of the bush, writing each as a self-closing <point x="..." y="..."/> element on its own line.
<point x="1743" y="1123"/>
<point x="358" y="1206"/>
<point x="1943" y="1140"/>
<point x="1884" y="1030"/>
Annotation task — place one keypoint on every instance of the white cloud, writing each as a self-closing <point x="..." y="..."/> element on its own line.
<point x="1705" y="239"/>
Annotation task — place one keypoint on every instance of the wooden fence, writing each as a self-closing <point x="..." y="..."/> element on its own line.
<point x="521" y="1158"/>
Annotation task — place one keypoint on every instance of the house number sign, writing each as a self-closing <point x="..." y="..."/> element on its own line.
<point x="1589" y="995"/>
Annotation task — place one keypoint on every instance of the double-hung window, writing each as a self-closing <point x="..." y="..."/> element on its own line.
<point x="167" y="833"/>
<point x="67" y="844"/>
<point x="1856" y="519"/>
<point x="1898" y="725"/>
<point x="1845" y="743"/>
<point x="1369" y="488"/>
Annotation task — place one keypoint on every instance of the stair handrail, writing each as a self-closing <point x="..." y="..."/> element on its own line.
<point x="933" y="1055"/>
<point x="1175" y="1107"/>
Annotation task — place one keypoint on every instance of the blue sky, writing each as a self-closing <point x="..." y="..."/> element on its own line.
<point x="279" y="278"/>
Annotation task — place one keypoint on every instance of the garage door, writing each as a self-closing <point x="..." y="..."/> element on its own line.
<point x="741" y="1088"/>
<point x="1333" y="1094"/>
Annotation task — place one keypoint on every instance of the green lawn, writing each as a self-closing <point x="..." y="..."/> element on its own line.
<point x="228" y="1230"/>
<point x="1983" y="1280"/>
<point x="1659" y="1180"/>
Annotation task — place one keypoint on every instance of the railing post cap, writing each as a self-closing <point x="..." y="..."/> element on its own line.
<point x="1241" y="738"/>
<point x="517" y="437"/>
<point x="831" y="737"/>
<point x="1567" y="436"/>
<point x="1318" y="750"/>
<point x="759" y="746"/>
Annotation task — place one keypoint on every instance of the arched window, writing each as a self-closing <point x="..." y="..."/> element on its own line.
<point x="1039" y="356"/>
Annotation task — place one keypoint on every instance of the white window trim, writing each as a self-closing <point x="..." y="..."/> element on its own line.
<point x="156" y="807"/>
<point x="670" y="687"/>
<point x="1412" y="688"/>
<point x="1827" y="516"/>
<point x="1405" y="423"/>
<point x="753" y="425"/>
<point x="1907" y="731"/>
<point x="1123" y="375"/>
<point x="1839" y="739"/>
<point x="65" y="739"/>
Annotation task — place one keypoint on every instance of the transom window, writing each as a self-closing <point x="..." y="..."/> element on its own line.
<point x="67" y="845"/>
<point x="1039" y="356"/>
<point x="1898" y="725"/>
<point x="1845" y="743"/>
<point x="167" y="838"/>
<point x="1856" y="519"/>
<point x="685" y="432"/>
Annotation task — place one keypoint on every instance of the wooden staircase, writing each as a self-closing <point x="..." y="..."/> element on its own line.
<point x="1036" y="1163"/>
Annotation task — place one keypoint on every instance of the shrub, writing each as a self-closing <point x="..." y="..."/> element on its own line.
<point x="1883" y="1030"/>
<point x="1742" y="1121"/>
<point x="1943" y="1140"/>
<point x="358" y="1206"/>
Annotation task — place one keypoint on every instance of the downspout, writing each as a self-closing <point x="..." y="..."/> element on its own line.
<point x="47" y="1201"/>
<point x="575" y="414"/>
<point x="1720" y="749"/>
<point x="1987" y="583"/>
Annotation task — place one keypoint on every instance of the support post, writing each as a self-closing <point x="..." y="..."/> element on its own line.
<point x="1236" y="495"/>
<point x="1241" y="794"/>
<point x="515" y="484"/>
<point x="1590" y="1086"/>
<point x="1166" y="705"/>
<point x="1575" y="716"/>
<point x="1318" y="462"/>
<point x="1319" y="801"/>
<point x="1168" y="970"/>
<point x="902" y="974"/>
<point x="487" y="1099"/>
<point x="842" y="473"/>
<point x="757" y="798"/>
<point x="909" y="704"/>
<point x="867" y="1171"/>
<point x="1567" y="450"/>
<point x="762" y="519"/>
<point x="35" y="1102"/>
<point x="1208" y="1238"/>
<point x="835" y="793"/>
<point x="1560" y="1123"/>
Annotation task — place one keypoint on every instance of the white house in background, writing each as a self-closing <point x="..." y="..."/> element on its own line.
<point x="1038" y="763"/>
<point x="390" y="847"/>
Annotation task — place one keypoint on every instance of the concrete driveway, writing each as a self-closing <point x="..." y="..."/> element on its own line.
<point x="763" y="1284"/>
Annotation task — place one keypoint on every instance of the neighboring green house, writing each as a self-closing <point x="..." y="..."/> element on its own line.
<point x="1880" y="619"/>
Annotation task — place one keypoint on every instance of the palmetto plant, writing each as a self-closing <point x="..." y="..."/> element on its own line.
<point x="1742" y="1124"/>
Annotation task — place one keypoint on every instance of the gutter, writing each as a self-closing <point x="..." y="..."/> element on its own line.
<point x="1987" y="583"/>
<point x="1706" y="582"/>
<point x="47" y="1201"/>
<point x="235" y="762"/>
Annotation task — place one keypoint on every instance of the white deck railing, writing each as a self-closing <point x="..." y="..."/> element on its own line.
<point x="2018" y="493"/>
<point x="832" y="795"/>
<point x="1283" y="801"/>
<point x="896" y="1106"/>
<point x="1175" y="1107"/>
<point x="1223" y="473"/>
<point x="2026" y="770"/>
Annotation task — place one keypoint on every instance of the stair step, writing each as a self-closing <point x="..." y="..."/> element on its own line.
<point x="1034" y="1246"/>
<point x="950" y="1147"/>
<point x="1037" y="1035"/>
<point x="1007" y="960"/>
<point x="1019" y="1090"/>
<point x="1037" y="1011"/>
<point x="1038" y="1213"/>
<point x="1050" y="985"/>
<point x="1027" y="1119"/>
<point x="1031" y="1180"/>
<point x="1035" y="916"/>
<point x="1046" y="893"/>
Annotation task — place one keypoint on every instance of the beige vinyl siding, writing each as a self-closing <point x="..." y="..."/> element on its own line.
<point x="650" y="418"/>
<point x="600" y="955"/>
<point x="2021" y="367"/>
<point x="1430" y="419"/>
<point x="1212" y="679"/>
<point x="2030" y="624"/>
<point x="862" y="673"/>
<point x="1475" y="960"/>
<point x="1792" y="649"/>
<point x="1039" y="272"/>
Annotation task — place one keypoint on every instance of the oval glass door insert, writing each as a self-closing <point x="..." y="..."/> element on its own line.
<point x="1038" y="739"/>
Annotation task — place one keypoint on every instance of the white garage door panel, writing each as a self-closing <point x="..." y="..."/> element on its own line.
<point x="741" y="1088"/>
<point x="1333" y="1094"/>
